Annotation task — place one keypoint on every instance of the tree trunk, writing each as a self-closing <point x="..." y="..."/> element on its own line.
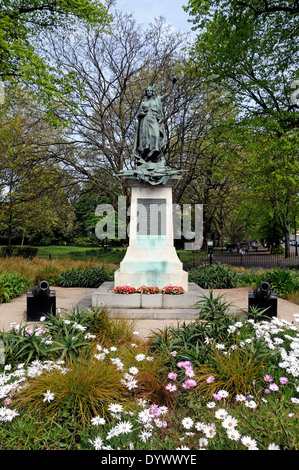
<point x="23" y="237"/>
<point x="207" y="225"/>
<point x="287" y="251"/>
<point x="9" y="228"/>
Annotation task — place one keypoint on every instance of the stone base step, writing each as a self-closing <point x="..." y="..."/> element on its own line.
<point x="154" y="313"/>
<point x="149" y="306"/>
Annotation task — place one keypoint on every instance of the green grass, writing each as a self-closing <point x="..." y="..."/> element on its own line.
<point x="61" y="251"/>
<point x="56" y="250"/>
<point x="111" y="255"/>
<point x="188" y="256"/>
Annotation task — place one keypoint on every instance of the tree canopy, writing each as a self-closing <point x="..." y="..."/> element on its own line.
<point x="231" y="123"/>
<point x="251" y="49"/>
<point x="23" y="28"/>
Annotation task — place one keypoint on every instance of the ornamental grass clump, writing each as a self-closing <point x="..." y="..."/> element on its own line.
<point x="39" y="269"/>
<point x="117" y="331"/>
<point x="72" y="331"/>
<point x="238" y="371"/>
<point x="79" y="388"/>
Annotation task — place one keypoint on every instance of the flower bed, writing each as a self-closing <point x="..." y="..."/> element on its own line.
<point x="148" y="290"/>
<point x="224" y="384"/>
<point x="173" y="290"/>
<point x="124" y="290"/>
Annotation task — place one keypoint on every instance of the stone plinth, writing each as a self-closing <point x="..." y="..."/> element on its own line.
<point x="149" y="306"/>
<point x="151" y="258"/>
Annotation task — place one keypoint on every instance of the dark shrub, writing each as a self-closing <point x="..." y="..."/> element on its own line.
<point x="215" y="276"/>
<point x="83" y="277"/>
<point x="24" y="251"/>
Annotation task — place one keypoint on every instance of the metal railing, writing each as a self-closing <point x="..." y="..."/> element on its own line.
<point x="262" y="259"/>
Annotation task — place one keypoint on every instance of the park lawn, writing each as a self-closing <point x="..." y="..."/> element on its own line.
<point x="106" y="255"/>
<point x="110" y="255"/>
<point x="55" y="250"/>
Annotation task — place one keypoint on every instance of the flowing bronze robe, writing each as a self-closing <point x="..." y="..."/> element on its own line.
<point x="150" y="137"/>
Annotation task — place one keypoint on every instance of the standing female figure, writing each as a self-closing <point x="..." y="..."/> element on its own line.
<point x="151" y="136"/>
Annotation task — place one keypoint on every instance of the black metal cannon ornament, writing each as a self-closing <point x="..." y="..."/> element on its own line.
<point x="263" y="299"/>
<point x="41" y="301"/>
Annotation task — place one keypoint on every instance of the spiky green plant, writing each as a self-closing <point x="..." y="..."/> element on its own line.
<point x="82" y="389"/>
<point x="236" y="371"/>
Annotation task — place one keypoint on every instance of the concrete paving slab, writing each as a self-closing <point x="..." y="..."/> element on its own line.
<point x="68" y="298"/>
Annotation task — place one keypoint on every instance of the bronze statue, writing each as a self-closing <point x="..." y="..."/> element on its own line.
<point x="151" y="139"/>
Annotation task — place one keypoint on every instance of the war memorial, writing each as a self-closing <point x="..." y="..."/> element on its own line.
<point x="151" y="259"/>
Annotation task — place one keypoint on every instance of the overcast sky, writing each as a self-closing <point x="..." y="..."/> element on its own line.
<point x="144" y="11"/>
